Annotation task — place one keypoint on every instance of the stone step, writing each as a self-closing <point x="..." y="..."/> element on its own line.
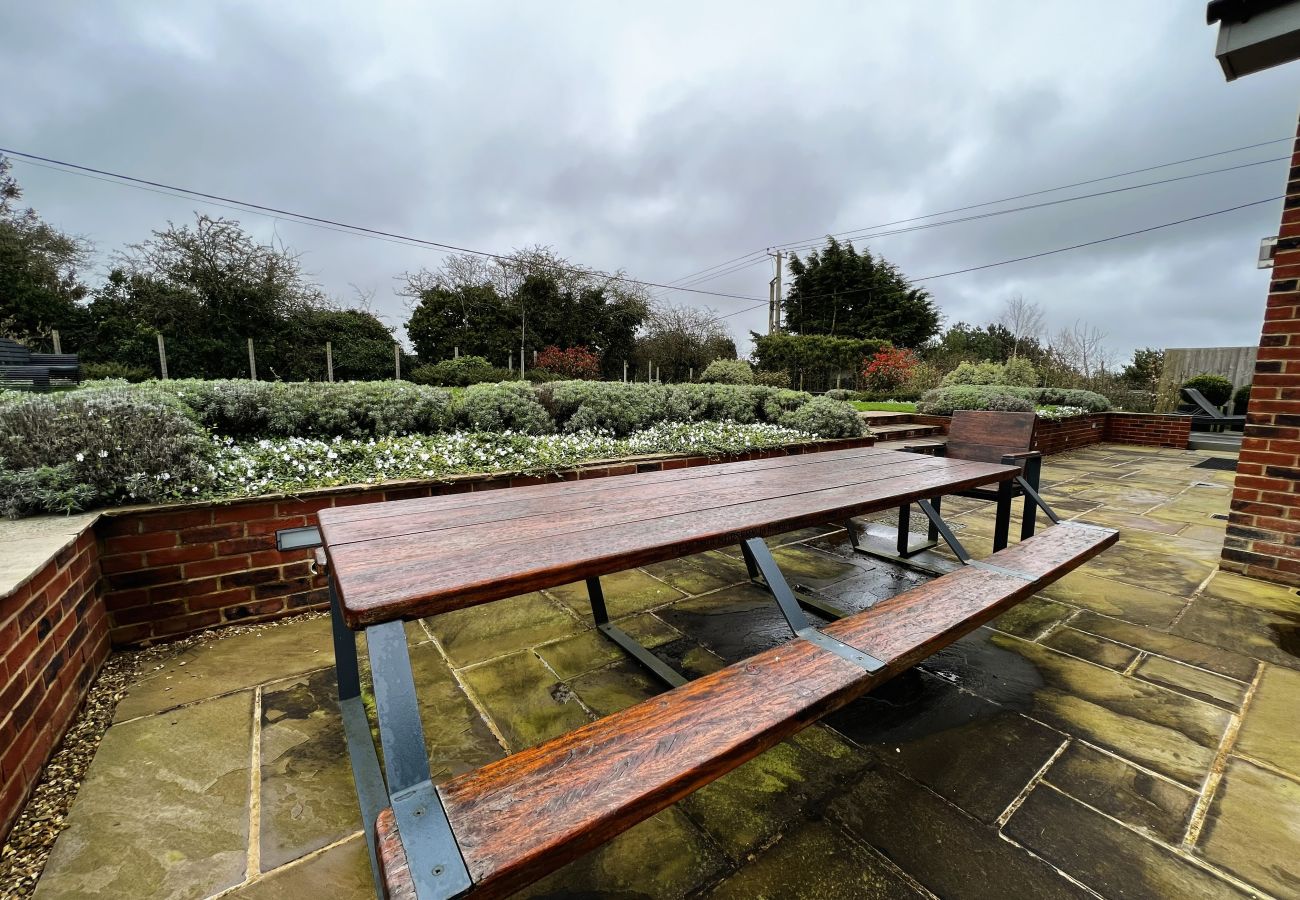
<point x="903" y="431"/>
<point x="902" y="444"/>
<point x="878" y="417"/>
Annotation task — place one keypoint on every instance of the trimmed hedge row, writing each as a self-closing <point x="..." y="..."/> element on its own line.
<point x="943" y="401"/>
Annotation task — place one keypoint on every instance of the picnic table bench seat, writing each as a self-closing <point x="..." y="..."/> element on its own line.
<point x="494" y="830"/>
<point x="519" y="818"/>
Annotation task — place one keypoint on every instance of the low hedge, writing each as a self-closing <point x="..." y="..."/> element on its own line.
<point x="943" y="401"/>
<point x="113" y="442"/>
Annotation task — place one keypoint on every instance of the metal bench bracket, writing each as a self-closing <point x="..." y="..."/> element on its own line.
<point x="759" y="559"/>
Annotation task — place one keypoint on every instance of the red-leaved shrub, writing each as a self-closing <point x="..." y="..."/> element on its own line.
<point x="575" y="362"/>
<point x="888" y="368"/>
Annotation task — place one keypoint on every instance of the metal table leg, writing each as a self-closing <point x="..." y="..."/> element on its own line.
<point x="1002" y="523"/>
<point x="637" y="651"/>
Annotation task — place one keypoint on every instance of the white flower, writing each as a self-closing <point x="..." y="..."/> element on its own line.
<point x="103" y="454"/>
<point x="81" y="457"/>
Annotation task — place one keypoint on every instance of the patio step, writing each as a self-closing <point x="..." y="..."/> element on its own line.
<point x="881" y="417"/>
<point x="903" y="431"/>
<point x="1226" y="441"/>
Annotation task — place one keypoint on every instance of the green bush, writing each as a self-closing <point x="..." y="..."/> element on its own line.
<point x="100" y="446"/>
<point x="943" y="401"/>
<point x="609" y="406"/>
<point x="728" y="371"/>
<point x="772" y="379"/>
<point x="817" y="357"/>
<point x="1215" y="388"/>
<point x="1241" y="400"/>
<point x="1019" y="371"/>
<point x="460" y="372"/>
<point x="508" y="406"/>
<point x="102" y="370"/>
<point x="310" y="408"/>
<point x="976" y="373"/>
<point x="924" y="377"/>
<point x="825" y="418"/>
<point x="841" y="394"/>
<point x="1010" y="398"/>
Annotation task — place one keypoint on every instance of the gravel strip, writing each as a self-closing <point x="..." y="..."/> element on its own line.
<point x="23" y="856"/>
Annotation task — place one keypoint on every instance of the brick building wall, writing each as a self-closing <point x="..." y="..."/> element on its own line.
<point x="53" y="639"/>
<point x="1263" y="538"/>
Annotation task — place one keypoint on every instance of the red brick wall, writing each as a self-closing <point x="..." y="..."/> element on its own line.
<point x="1148" y="429"/>
<point x="1069" y="434"/>
<point x="1263" y="538"/>
<point x="53" y="639"/>
<point x="171" y="572"/>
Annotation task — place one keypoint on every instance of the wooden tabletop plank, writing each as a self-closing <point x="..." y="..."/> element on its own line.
<point x="639" y="500"/>
<point x="417" y="509"/>
<point x="492" y="546"/>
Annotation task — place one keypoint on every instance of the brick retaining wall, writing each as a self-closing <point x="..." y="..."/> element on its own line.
<point x="53" y="639"/>
<point x="172" y="571"/>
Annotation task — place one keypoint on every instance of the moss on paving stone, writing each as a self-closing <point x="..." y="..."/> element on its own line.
<point x="524" y="699"/>
<point x="494" y="629"/>
<point x="1140" y="604"/>
<point x="814" y="862"/>
<point x="166" y="812"/>
<point x="1204" y="656"/>
<point x="628" y="592"/>
<point x="1256" y="594"/>
<point x="1106" y="856"/>
<point x="1154" y="726"/>
<point x="1196" y="683"/>
<point x="213" y="668"/>
<point x="734" y="623"/>
<point x="1253" y="828"/>
<point x="948" y="852"/>
<point x="747" y="808"/>
<point x="1151" y="804"/>
<point x="1032" y="617"/>
<point x="662" y="858"/>
<point x="339" y="873"/>
<point x="589" y="650"/>
<point x="1090" y="647"/>
<point x="1265" y="634"/>
<point x="700" y="573"/>
<point x="1268" y="733"/>
<point x="973" y="752"/>
<point x="308" y="800"/>
<point x="616" y="687"/>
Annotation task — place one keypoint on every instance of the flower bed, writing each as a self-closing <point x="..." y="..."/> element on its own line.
<point x="163" y="441"/>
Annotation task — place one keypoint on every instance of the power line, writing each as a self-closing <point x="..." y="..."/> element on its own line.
<point x="1048" y="190"/>
<point x="1093" y="243"/>
<point x="156" y="186"/>
<point x="1062" y="187"/>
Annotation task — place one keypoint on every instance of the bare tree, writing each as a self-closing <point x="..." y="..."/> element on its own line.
<point x="1082" y="347"/>
<point x="1023" y="318"/>
<point x="681" y="338"/>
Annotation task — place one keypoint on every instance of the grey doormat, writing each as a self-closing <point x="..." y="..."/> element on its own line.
<point x="1216" y="462"/>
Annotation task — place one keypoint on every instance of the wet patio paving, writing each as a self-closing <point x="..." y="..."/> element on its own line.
<point x="1130" y="732"/>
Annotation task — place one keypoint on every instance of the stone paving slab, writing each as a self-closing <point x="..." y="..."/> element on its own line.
<point x="165" y="810"/>
<point x="238" y="662"/>
<point x="1131" y="729"/>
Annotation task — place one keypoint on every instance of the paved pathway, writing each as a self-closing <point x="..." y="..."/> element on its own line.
<point x="1129" y="733"/>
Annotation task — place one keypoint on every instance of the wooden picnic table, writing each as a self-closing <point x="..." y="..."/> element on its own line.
<point x="415" y="558"/>
<point x="496" y="829"/>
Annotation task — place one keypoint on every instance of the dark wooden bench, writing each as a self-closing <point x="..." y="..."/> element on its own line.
<point x="1210" y="414"/>
<point x="494" y="830"/>
<point x="18" y="365"/>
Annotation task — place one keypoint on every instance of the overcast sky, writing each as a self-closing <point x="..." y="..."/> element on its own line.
<point x="668" y="137"/>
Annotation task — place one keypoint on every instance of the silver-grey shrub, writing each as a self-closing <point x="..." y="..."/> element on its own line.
<point x="942" y="401"/>
<point x="120" y="446"/>
<point x="825" y="418"/>
<point x="507" y="406"/>
<point x="311" y="409"/>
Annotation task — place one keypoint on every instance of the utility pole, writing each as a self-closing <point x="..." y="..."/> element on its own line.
<point x="775" y="293"/>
